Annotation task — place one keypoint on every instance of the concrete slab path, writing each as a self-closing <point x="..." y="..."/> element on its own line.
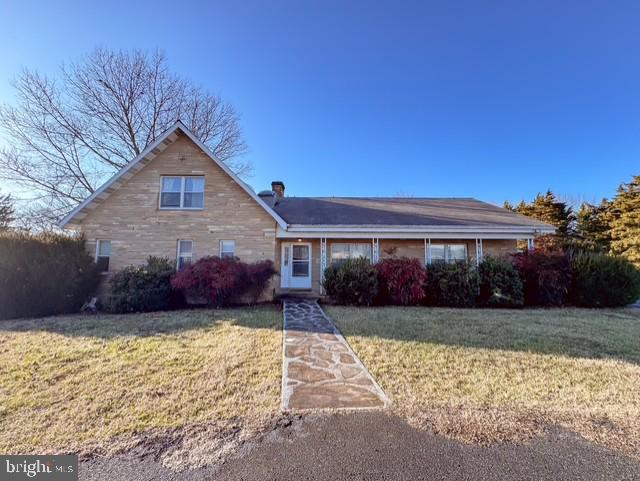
<point x="320" y="370"/>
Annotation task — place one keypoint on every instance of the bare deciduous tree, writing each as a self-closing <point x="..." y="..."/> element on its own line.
<point x="7" y="212"/>
<point x="68" y="134"/>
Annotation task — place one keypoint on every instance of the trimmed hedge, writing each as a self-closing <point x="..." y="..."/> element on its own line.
<point x="259" y="275"/>
<point x="44" y="274"/>
<point x="603" y="281"/>
<point x="546" y="277"/>
<point x="354" y="282"/>
<point x="400" y="281"/>
<point x="219" y="281"/>
<point x="499" y="284"/>
<point x="451" y="285"/>
<point x="143" y="288"/>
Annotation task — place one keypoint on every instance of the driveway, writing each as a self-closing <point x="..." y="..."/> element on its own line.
<point x="379" y="446"/>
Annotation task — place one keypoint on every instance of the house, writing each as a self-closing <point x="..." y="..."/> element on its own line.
<point x="177" y="200"/>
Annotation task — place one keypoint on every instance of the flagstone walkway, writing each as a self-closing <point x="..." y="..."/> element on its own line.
<point x="320" y="370"/>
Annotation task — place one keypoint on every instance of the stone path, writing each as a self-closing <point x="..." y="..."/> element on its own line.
<point x="320" y="369"/>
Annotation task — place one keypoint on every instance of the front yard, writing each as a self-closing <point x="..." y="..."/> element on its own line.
<point x="495" y="375"/>
<point x="190" y="386"/>
<point x="79" y="383"/>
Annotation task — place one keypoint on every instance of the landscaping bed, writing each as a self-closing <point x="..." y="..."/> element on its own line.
<point x="191" y="383"/>
<point x="505" y="375"/>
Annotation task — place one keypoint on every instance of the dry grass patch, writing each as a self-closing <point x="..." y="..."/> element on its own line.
<point x="80" y="382"/>
<point x="496" y="375"/>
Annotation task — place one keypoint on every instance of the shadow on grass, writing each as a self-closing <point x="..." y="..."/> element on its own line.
<point x="106" y="326"/>
<point x="580" y="333"/>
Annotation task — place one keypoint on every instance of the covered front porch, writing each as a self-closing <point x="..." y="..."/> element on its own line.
<point x="302" y="257"/>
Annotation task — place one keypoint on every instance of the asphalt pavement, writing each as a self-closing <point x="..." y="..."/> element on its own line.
<point x="379" y="446"/>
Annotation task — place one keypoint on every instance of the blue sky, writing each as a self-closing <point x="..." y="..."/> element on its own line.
<point x="495" y="100"/>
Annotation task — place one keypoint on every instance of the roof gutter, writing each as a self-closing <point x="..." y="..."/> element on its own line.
<point x="415" y="232"/>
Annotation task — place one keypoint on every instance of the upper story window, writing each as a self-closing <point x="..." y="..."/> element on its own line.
<point x="182" y="192"/>
<point x="227" y="248"/>
<point x="340" y="252"/>
<point x="103" y="254"/>
<point x="448" y="252"/>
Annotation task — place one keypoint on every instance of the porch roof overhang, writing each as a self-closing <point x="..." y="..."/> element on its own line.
<point x="411" y="232"/>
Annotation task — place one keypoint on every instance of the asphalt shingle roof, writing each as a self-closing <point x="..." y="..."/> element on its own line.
<point x="396" y="211"/>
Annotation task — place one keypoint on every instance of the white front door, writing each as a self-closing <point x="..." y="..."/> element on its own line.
<point x="296" y="265"/>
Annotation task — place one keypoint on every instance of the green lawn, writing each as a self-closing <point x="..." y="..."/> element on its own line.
<point x="492" y="375"/>
<point x="68" y="383"/>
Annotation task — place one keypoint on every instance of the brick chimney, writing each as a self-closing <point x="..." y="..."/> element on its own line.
<point x="278" y="187"/>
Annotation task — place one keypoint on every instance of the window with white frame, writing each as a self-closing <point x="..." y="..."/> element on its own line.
<point x="340" y="252"/>
<point x="103" y="254"/>
<point x="227" y="248"/>
<point x="448" y="253"/>
<point x="300" y="256"/>
<point x="185" y="253"/>
<point x="182" y="192"/>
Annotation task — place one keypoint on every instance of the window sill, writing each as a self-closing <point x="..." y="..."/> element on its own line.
<point x="181" y="208"/>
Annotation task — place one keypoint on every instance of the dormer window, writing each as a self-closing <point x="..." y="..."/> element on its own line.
<point x="182" y="192"/>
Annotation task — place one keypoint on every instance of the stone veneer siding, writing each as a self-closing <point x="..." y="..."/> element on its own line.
<point x="131" y="218"/>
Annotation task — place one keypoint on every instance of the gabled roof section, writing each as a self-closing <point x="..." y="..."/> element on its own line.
<point x="152" y="151"/>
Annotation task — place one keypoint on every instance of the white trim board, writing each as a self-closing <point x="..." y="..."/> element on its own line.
<point x="423" y="233"/>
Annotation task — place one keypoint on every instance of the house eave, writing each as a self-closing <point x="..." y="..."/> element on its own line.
<point x="414" y="232"/>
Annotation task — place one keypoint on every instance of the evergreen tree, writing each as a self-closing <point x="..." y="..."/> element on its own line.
<point x="593" y="226"/>
<point x="6" y="212"/>
<point x="625" y="221"/>
<point x="547" y="208"/>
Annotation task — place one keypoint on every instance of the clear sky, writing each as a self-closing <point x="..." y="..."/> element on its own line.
<point x="495" y="100"/>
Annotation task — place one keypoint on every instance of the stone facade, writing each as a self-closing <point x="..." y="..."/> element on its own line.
<point x="131" y="218"/>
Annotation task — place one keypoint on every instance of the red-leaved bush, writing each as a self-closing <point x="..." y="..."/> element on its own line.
<point x="258" y="275"/>
<point x="401" y="281"/>
<point x="219" y="280"/>
<point x="545" y="274"/>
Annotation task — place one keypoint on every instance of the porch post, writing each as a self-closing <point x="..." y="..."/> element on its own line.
<point x="427" y="252"/>
<point x="479" y="252"/>
<point x="323" y="261"/>
<point x="375" y="250"/>
<point x="530" y="245"/>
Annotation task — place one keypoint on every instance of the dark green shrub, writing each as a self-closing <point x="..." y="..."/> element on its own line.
<point x="44" y="274"/>
<point x="600" y="280"/>
<point x="401" y="281"/>
<point x="545" y="275"/>
<point x="354" y="282"/>
<point x="142" y="288"/>
<point x="451" y="285"/>
<point x="499" y="284"/>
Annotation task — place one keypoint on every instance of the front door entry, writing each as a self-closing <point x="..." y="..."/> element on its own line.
<point x="296" y="265"/>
